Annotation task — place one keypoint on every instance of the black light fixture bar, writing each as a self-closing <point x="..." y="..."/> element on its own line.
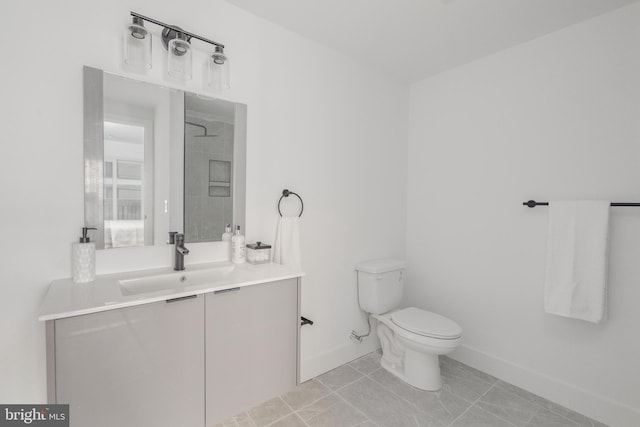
<point x="187" y="33"/>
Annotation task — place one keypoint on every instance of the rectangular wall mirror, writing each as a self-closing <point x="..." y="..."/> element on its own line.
<point x="159" y="160"/>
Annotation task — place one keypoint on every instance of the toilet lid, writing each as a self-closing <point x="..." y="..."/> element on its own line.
<point x="425" y="323"/>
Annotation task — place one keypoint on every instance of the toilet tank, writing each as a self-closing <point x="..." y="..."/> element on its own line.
<point x="380" y="284"/>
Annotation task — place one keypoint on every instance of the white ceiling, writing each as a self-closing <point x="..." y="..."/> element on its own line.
<point x="414" y="39"/>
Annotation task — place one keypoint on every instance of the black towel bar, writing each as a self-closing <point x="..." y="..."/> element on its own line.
<point x="533" y="204"/>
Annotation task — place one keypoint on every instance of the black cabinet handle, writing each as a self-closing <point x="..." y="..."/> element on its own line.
<point x="223" y="291"/>
<point x="181" y="298"/>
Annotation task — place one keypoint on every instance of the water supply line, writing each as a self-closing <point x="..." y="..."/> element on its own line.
<point x="354" y="335"/>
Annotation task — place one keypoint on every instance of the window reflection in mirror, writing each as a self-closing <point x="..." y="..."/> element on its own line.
<point x="124" y="186"/>
<point x="136" y="125"/>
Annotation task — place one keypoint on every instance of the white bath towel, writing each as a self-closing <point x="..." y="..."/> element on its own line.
<point x="286" y="248"/>
<point x="577" y="257"/>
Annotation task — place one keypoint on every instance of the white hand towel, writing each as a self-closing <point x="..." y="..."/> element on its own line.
<point x="577" y="255"/>
<point x="126" y="233"/>
<point x="286" y="249"/>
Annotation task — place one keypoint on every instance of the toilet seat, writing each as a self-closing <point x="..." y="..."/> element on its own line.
<point x="427" y="324"/>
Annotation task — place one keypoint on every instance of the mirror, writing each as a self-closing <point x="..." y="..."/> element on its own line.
<point x="159" y="160"/>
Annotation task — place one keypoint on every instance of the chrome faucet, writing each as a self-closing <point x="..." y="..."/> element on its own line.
<point x="180" y="252"/>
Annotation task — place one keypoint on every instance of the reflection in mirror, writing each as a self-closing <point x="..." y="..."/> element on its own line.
<point x="159" y="160"/>
<point x="137" y="124"/>
<point x="208" y="183"/>
<point x="124" y="183"/>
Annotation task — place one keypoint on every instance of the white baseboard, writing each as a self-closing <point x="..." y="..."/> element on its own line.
<point x="319" y="364"/>
<point x="575" y="398"/>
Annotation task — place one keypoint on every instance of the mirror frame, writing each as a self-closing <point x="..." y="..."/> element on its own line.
<point x="93" y="98"/>
<point x="94" y="152"/>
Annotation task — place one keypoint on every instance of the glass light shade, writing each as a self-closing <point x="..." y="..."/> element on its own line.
<point x="179" y="59"/>
<point x="137" y="47"/>
<point x="218" y="76"/>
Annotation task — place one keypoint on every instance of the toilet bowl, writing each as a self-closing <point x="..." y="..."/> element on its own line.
<point x="411" y="338"/>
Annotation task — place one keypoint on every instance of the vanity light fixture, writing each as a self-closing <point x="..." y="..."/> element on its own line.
<point x="137" y="52"/>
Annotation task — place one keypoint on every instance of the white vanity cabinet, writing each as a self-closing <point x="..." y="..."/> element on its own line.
<point x="251" y="346"/>
<point x="135" y="366"/>
<point x="192" y="361"/>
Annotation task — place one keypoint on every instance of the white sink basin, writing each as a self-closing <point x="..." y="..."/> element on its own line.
<point x="174" y="280"/>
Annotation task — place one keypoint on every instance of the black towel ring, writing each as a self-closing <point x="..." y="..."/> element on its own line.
<point x="287" y="193"/>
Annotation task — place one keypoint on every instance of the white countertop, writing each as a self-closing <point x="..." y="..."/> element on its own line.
<point x="67" y="299"/>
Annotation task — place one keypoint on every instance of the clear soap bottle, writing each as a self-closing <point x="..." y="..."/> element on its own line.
<point x="226" y="238"/>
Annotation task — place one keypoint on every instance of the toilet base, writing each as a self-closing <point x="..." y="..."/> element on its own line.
<point x="422" y="371"/>
<point x="417" y="368"/>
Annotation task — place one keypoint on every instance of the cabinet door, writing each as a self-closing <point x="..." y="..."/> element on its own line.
<point x="251" y="346"/>
<point x="136" y="366"/>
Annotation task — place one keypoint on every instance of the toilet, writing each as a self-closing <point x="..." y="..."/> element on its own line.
<point x="411" y="338"/>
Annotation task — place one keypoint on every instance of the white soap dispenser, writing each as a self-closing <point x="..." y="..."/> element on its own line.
<point x="83" y="258"/>
<point x="238" y="250"/>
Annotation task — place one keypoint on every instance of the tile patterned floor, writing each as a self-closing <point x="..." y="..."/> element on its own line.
<point x="363" y="394"/>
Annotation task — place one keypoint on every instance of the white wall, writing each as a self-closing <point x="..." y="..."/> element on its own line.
<point x="556" y="118"/>
<point x="319" y="124"/>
